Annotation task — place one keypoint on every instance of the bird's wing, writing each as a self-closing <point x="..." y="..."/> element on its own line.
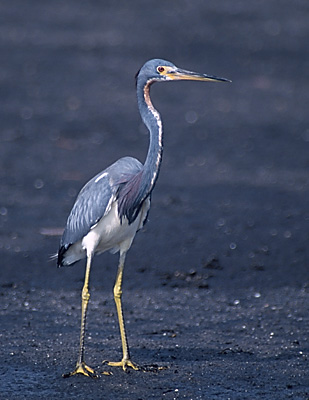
<point x="92" y="203"/>
<point x="96" y="198"/>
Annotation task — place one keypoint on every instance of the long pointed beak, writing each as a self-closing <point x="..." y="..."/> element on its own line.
<point x="182" y="74"/>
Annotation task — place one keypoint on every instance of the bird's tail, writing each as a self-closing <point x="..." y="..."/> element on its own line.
<point x="69" y="255"/>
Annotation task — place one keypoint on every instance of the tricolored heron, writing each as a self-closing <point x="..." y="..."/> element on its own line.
<point x="114" y="205"/>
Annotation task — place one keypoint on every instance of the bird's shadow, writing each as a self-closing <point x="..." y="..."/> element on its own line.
<point x="167" y="356"/>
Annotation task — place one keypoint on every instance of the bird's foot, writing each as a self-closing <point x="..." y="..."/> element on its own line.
<point x="82" y="368"/>
<point x="124" y="363"/>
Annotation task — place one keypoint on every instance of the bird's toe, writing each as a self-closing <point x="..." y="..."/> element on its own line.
<point x="84" y="369"/>
<point x="124" y="363"/>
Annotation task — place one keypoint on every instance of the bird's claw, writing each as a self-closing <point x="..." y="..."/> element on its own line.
<point x="82" y="368"/>
<point x="124" y="363"/>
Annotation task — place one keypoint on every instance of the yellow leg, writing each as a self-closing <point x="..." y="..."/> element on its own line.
<point x="125" y="362"/>
<point x="81" y="367"/>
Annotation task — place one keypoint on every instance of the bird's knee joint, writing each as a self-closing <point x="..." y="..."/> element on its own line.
<point x="117" y="293"/>
<point x="85" y="295"/>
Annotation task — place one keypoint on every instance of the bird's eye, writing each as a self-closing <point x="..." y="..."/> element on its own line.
<point x="160" y="69"/>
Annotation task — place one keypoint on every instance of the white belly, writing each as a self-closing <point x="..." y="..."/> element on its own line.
<point x="108" y="234"/>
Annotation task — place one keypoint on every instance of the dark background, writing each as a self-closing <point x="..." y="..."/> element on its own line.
<point x="216" y="285"/>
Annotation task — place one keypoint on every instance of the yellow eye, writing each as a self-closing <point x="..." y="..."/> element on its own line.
<point x="160" y="69"/>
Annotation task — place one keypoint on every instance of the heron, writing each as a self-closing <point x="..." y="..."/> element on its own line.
<point x="113" y="206"/>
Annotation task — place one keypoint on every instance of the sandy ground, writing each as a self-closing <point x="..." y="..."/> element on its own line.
<point x="216" y="286"/>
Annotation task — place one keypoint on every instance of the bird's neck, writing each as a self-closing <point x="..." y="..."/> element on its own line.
<point x="152" y="120"/>
<point x="139" y="187"/>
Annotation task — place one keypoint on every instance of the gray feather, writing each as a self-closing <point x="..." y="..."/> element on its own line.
<point x="96" y="197"/>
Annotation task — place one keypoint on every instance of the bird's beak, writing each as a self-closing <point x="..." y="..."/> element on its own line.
<point x="181" y="74"/>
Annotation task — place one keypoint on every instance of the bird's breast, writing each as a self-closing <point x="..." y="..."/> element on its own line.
<point x="112" y="233"/>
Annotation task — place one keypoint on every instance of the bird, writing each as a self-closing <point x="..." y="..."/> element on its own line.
<point x="114" y="205"/>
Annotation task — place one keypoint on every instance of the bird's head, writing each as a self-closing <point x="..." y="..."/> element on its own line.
<point x="162" y="70"/>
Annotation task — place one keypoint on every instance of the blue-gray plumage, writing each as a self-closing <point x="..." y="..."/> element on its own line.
<point x="93" y="203"/>
<point x="114" y="205"/>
